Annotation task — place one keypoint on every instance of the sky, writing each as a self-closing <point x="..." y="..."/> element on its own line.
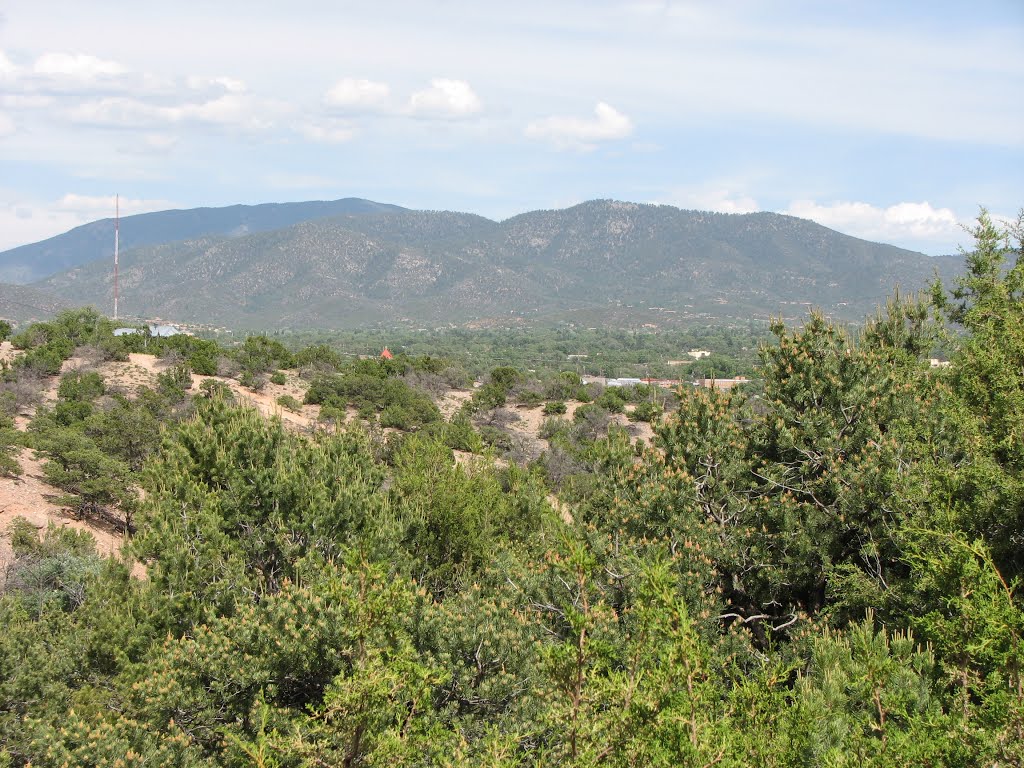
<point x="890" y="121"/>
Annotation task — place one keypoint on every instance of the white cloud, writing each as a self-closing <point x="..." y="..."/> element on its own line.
<point x="7" y="126"/>
<point x="90" y="207"/>
<point x="327" y="131"/>
<point x="355" y="94"/>
<point x="7" y="68"/>
<point x="445" y="99"/>
<point x="231" y="109"/>
<point x="579" y="133"/>
<point x="153" y="144"/>
<point x="229" y="84"/>
<point x="117" y="111"/>
<point x="68" y="74"/>
<point x="76" y="66"/>
<point x="718" y="198"/>
<point x="160" y="142"/>
<point x="902" y="223"/>
<point x="25" y="100"/>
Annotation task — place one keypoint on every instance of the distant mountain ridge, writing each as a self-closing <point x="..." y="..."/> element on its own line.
<point x="600" y="262"/>
<point x="95" y="240"/>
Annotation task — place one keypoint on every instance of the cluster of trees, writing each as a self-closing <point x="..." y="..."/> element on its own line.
<point x="608" y="352"/>
<point x="381" y="389"/>
<point x="825" y="573"/>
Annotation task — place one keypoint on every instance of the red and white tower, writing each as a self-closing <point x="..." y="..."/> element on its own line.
<point x="117" y="234"/>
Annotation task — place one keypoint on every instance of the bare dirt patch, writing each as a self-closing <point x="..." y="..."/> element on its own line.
<point x="8" y="352"/>
<point x="451" y="401"/>
<point x="30" y="497"/>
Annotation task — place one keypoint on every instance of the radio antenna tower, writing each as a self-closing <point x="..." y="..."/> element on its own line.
<point x="117" y="234"/>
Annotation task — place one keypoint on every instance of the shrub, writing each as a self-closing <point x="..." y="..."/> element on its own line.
<point x="505" y="377"/>
<point x="278" y="378"/>
<point x="489" y="396"/>
<point x="646" y="411"/>
<point x="173" y="383"/>
<point x="80" y="387"/>
<point x="459" y="434"/>
<point x="496" y="437"/>
<point x="10" y="440"/>
<point x="554" y="408"/>
<point x="591" y="420"/>
<point x="319" y="358"/>
<point x="332" y="414"/>
<point x="613" y="400"/>
<point x="552" y="426"/>
<point x="253" y="381"/>
<point x="564" y="386"/>
<point x="45" y="360"/>
<point x="216" y="389"/>
<point x="530" y="399"/>
<point x="113" y="349"/>
<point x="290" y="403"/>
<point x="203" y="362"/>
<point x="260" y="354"/>
<point x="367" y="388"/>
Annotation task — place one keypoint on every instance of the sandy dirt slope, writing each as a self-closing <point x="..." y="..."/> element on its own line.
<point x="7" y="352"/>
<point x="450" y="402"/>
<point x="30" y="497"/>
<point x="265" y="401"/>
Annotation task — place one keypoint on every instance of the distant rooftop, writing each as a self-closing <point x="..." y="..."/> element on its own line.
<point x="163" y="330"/>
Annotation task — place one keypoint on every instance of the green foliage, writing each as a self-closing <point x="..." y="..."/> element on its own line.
<point x="5" y="330"/>
<point x="824" y="572"/>
<point x="260" y="354"/>
<point x="80" y="387"/>
<point x="128" y="430"/>
<point x="646" y="410"/>
<point x="173" y="383"/>
<point x="256" y="498"/>
<point x="99" y="485"/>
<point x="10" y="441"/>
<point x="317" y="673"/>
<point x="319" y="357"/>
<point x="253" y="381"/>
<point x="454" y="517"/>
<point x="290" y="403"/>
<point x="372" y="386"/>
<point x="554" y="408"/>
<point x="870" y="698"/>
<point x="613" y="399"/>
<point x="564" y="386"/>
<point x="200" y="355"/>
<point x="278" y="378"/>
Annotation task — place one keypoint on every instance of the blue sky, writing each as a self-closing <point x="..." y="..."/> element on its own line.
<point x="889" y="121"/>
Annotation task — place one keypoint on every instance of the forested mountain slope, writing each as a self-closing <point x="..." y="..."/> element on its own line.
<point x="95" y="240"/>
<point x="600" y="262"/>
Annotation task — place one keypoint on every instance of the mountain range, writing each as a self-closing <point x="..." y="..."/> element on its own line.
<point x="95" y="240"/>
<point x="600" y="262"/>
